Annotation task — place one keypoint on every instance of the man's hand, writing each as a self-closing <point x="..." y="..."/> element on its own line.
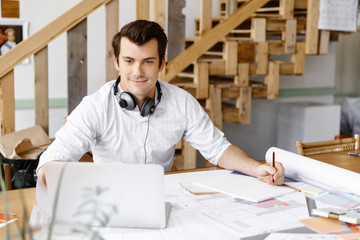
<point x="41" y="176"/>
<point x="266" y="173"/>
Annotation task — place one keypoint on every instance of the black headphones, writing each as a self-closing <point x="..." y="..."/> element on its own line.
<point x="128" y="101"/>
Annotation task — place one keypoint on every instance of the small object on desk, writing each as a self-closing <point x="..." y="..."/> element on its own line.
<point x="296" y="189"/>
<point x="338" y="214"/>
<point x="354" y="154"/>
<point x="7" y="218"/>
<point x="197" y="190"/>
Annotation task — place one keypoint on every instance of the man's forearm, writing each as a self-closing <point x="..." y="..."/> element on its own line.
<point x="234" y="158"/>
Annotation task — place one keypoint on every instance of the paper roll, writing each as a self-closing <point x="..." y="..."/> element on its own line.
<point x="314" y="172"/>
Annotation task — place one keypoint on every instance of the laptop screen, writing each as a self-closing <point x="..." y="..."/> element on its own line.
<point x="106" y="195"/>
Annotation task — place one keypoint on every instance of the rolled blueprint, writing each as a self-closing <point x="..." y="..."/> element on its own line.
<point x="316" y="173"/>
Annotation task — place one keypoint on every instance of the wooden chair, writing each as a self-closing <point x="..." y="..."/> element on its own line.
<point x="344" y="144"/>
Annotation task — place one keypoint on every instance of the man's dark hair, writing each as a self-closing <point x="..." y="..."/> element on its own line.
<point x="141" y="32"/>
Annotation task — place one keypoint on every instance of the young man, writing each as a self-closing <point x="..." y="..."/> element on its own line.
<point x="138" y="119"/>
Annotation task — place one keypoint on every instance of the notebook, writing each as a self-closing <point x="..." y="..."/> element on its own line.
<point x="244" y="187"/>
<point x="107" y="195"/>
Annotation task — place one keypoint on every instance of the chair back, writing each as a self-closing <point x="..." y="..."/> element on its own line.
<point x="337" y="145"/>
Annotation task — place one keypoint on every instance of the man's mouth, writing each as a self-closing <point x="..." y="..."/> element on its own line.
<point x="138" y="80"/>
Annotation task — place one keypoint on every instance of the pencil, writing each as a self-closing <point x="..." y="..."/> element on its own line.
<point x="296" y="189"/>
<point x="273" y="164"/>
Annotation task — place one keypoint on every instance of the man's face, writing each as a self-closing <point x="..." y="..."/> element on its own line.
<point x="138" y="67"/>
<point x="11" y="37"/>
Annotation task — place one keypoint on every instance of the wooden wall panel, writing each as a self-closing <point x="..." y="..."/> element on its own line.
<point x="112" y="27"/>
<point x="41" y="95"/>
<point x="77" y="64"/>
<point x="7" y="107"/>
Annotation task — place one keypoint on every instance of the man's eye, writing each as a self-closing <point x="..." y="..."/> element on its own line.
<point x="149" y="62"/>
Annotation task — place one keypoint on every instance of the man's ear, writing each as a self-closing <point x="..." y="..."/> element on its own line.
<point x="162" y="64"/>
<point x="116" y="63"/>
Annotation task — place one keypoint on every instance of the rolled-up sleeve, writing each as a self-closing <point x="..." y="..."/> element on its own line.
<point x="202" y="134"/>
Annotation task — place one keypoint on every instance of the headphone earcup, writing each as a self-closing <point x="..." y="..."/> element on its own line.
<point x="147" y="108"/>
<point x="127" y="101"/>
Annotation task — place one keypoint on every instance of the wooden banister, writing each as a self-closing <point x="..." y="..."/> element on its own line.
<point x="210" y="38"/>
<point x="41" y="39"/>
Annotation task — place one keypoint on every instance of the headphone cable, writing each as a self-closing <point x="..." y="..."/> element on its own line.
<point x="146" y="136"/>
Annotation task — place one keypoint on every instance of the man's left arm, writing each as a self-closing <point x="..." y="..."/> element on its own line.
<point x="234" y="158"/>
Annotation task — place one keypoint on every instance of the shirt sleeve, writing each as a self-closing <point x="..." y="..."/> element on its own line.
<point x="202" y="134"/>
<point x="75" y="137"/>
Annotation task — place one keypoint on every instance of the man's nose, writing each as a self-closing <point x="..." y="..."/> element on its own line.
<point x="137" y="70"/>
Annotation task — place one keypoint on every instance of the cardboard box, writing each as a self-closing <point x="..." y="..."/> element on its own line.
<point x="19" y="152"/>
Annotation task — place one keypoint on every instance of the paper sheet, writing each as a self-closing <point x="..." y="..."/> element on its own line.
<point x="320" y="174"/>
<point x="244" y="187"/>
<point x="294" y="236"/>
<point x="338" y="15"/>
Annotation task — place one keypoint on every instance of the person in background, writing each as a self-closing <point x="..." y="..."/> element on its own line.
<point x="140" y="119"/>
<point x="10" y="41"/>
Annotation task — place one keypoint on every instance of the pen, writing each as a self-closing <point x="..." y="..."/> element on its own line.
<point x="354" y="154"/>
<point x="273" y="164"/>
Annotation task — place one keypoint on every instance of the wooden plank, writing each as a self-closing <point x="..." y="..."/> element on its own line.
<point x="230" y="92"/>
<point x="205" y="16"/>
<point x="7" y="103"/>
<point x="261" y="58"/>
<point x="287" y="9"/>
<point x="301" y="4"/>
<point x="189" y="154"/>
<point x="201" y="79"/>
<point x="230" y="57"/>
<point x="217" y="68"/>
<point x="258" y="29"/>
<point x="312" y="20"/>
<point x="272" y="80"/>
<point x="274" y="24"/>
<point x="242" y="79"/>
<point x="259" y="91"/>
<point x="290" y="36"/>
<point x="286" y="68"/>
<point x="213" y="103"/>
<point x="276" y="47"/>
<point x="77" y="64"/>
<point x="7" y="176"/>
<point x="298" y="58"/>
<point x="176" y="28"/>
<point x="324" y="42"/>
<point x="40" y="39"/>
<point x="143" y="9"/>
<point x="41" y="86"/>
<point x="112" y="27"/>
<point x="158" y="12"/>
<point x="211" y="37"/>
<point x="231" y="115"/>
<point x="246" y="53"/>
<point x="243" y="104"/>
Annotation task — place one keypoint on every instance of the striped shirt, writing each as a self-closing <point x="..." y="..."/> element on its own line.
<point x="118" y="135"/>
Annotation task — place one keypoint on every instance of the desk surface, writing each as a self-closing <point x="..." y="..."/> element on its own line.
<point x="340" y="159"/>
<point x="29" y="197"/>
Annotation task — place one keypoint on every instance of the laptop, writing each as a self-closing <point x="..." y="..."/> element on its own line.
<point x="107" y="195"/>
